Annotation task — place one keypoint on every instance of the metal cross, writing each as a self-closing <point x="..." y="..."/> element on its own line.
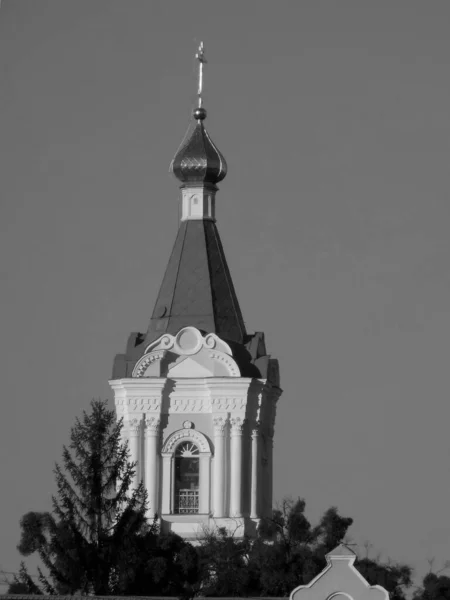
<point x="200" y="56"/>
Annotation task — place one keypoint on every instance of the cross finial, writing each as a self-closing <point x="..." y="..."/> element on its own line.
<point x="200" y="56"/>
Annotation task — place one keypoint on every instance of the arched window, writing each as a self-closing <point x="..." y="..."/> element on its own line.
<point x="187" y="476"/>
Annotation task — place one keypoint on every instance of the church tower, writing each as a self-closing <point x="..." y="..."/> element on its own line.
<point x="197" y="392"/>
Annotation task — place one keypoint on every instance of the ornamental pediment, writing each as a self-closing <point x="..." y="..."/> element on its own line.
<point x="187" y="354"/>
<point x="339" y="580"/>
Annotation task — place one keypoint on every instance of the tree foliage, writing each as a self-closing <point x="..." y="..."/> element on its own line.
<point x="287" y="552"/>
<point x="434" y="587"/>
<point x="97" y="540"/>
<point x="223" y="563"/>
<point x="395" y="578"/>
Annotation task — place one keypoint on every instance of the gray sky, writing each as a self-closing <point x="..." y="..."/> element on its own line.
<point x="334" y="119"/>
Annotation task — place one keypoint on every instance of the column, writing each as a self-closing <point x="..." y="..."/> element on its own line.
<point x="205" y="484"/>
<point x="219" y="464"/>
<point x="237" y="428"/>
<point x="166" y="484"/>
<point x="270" y="471"/>
<point x="135" y="442"/>
<point x="151" y="461"/>
<point x="255" y="480"/>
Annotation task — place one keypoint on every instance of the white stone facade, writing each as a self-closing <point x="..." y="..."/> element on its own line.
<point x="188" y="389"/>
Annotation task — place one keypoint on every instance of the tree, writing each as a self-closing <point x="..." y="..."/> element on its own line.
<point x="393" y="577"/>
<point x="87" y="542"/>
<point x="286" y="553"/>
<point x="223" y="563"/>
<point x="23" y="583"/>
<point x="434" y="585"/>
<point x="281" y="563"/>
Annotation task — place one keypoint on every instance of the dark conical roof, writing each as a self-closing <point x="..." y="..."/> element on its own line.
<point x="198" y="160"/>
<point x="197" y="289"/>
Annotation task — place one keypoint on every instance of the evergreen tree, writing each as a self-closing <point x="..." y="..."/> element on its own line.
<point x="87" y="543"/>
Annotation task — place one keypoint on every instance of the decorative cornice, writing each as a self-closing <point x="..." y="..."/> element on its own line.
<point x="183" y="435"/>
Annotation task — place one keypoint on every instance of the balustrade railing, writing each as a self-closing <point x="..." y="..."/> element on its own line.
<point x="186" y="501"/>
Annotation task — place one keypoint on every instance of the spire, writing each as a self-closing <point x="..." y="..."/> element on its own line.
<point x="197" y="288"/>
<point x="200" y="56"/>
<point x="198" y="160"/>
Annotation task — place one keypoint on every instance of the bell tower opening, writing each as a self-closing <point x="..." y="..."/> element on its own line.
<point x="187" y="479"/>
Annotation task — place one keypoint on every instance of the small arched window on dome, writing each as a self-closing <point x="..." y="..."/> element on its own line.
<point x="187" y="476"/>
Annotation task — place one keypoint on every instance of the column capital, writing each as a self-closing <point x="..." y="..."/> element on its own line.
<point x="134" y="425"/>
<point x="237" y="425"/>
<point x="219" y="423"/>
<point x="256" y="429"/>
<point x="152" y="425"/>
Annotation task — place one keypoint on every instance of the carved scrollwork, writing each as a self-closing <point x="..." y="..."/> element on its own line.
<point x="134" y="426"/>
<point x="256" y="428"/>
<point x="219" y="424"/>
<point x="210" y="341"/>
<point x="167" y="341"/>
<point x="152" y="425"/>
<point x="237" y="425"/>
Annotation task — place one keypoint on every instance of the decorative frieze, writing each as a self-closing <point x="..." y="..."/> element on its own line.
<point x="190" y="405"/>
<point x="229" y="404"/>
<point x="137" y="403"/>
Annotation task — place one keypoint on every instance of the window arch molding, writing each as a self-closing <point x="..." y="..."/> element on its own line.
<point x="168" y="454"/>
<point x="186" y="435"/>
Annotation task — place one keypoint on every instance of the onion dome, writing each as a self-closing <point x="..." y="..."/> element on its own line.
<point x="198" y="160"/>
